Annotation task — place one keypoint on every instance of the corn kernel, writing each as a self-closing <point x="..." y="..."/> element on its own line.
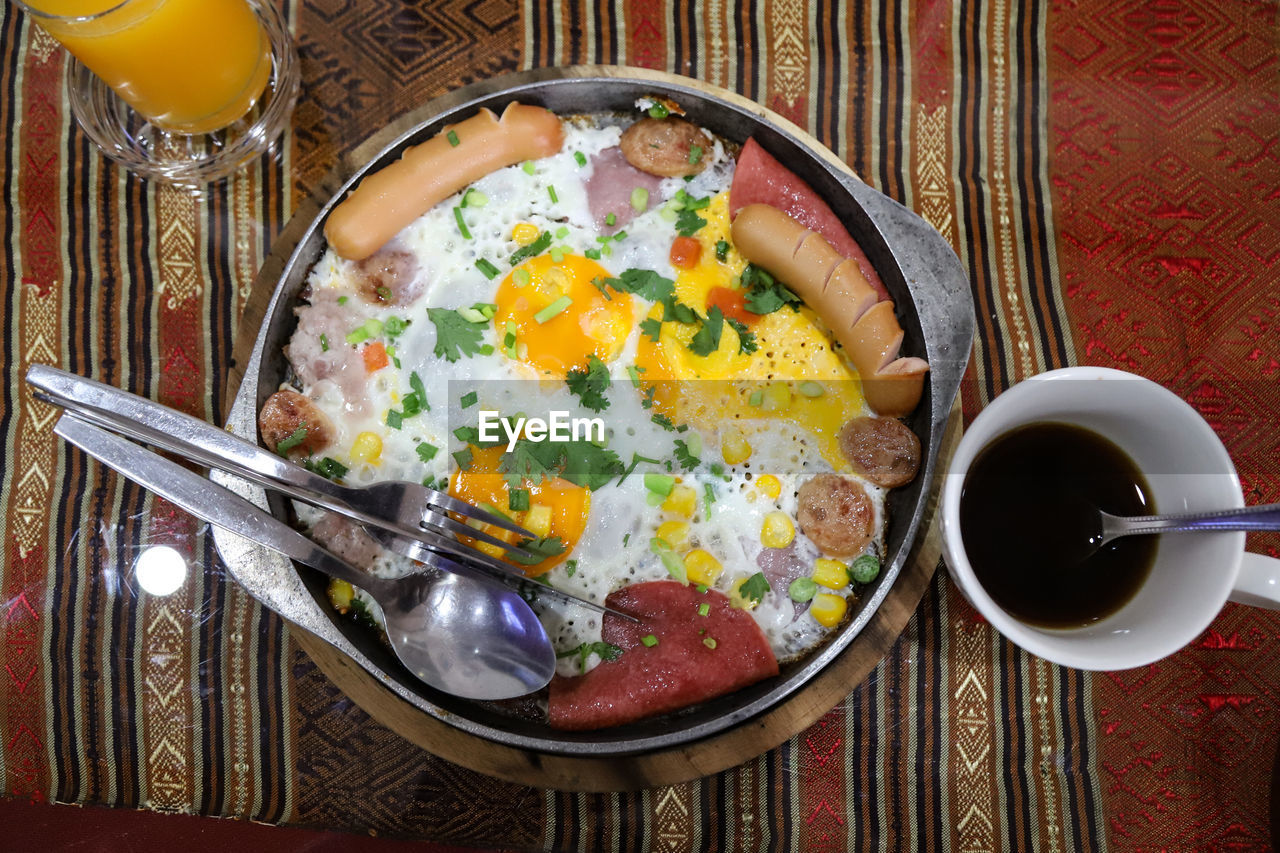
<point x="340" y="595"/>
<point x="538" y="520"/>
<point x="701" y="567"/>
<point x="525" y="233"/>
<point x="828" y="609"/>
<point x="734" y="447"/>
<point x="489" y="548"/>
<point x="683" y="500"/>
<point x="675" y="534"/>
<point x="830" y="573"/>
<point x="367" y="448"/>
<point x="770" y="485"/>
<point x="777" y="530"/>
<point x="777" y="397"/>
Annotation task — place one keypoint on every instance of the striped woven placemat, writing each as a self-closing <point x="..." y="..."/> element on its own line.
<point x="1107" y="173"/>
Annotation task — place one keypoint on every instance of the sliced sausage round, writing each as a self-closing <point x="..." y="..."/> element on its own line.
<point x="284" y="414"/>
<point x="388" y="277"/>
<point x="884" y="450"/>
<point x="836" y="514"/>
<point x="665" y="146"/>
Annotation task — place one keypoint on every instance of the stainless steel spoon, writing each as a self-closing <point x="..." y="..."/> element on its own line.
<point x="463" y="635"/>
<point x="1250" y="518"/>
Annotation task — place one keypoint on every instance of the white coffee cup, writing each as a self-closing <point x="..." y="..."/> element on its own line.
<point x="1188" y="470"/>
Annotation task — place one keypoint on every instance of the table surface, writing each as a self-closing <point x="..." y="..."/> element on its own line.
<point x="1107" y="172"/>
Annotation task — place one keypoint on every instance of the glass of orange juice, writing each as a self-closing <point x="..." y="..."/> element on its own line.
<point x="179" y="90"/>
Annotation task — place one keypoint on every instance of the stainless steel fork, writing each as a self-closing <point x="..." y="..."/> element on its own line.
<point x="414" y="518"/>
<point x="408" y="504"/>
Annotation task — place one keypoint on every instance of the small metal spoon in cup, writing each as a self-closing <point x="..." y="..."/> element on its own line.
<point x="1249" y="518"/>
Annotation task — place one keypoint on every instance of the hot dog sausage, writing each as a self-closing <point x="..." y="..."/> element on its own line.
<point x="389" y="199"/>
<point x="840" y="293"/>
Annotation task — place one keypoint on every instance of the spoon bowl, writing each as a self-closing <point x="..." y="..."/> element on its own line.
<point x="466" y="636"/>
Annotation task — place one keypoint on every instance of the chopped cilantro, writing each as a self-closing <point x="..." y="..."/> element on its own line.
<point x="678" y="311"/>
<point x="649" y="391"/>
<point x="590" y="384"/>
<point x="534" y="551"/>
<point x="663" y="421"/>
<point x="455" y="335"/>
<point x="764" y="293"/>
<point x="419" y="390"/>
<point x="570" y="567"/>
<point x="580" y="462"/>
<point x="746" y="339"/>
<point x="707" y="340"/>
<point x="646" y="284"/>
<point x="722" y="250"/>
<point x="295" y="438"/>
<point x="688" y="222"/>
<point x="328" y="467"/>
<point x="651" y="328"/>
<point x="606" y="651"/>
<point x="684" y="456"/>
<point x="754" y="588"/>
<point x="695" y="154"/>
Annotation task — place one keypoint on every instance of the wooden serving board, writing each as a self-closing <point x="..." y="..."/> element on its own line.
<point x="667" y="767"/>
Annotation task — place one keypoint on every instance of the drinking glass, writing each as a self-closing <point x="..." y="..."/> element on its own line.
<point x="185" y="91"/>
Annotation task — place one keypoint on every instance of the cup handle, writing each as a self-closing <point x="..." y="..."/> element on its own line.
<point x="1258" y="583"/>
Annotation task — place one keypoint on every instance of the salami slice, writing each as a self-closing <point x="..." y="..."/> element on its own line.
<point x="760" y="178"/>
<point x="695" y="657"/>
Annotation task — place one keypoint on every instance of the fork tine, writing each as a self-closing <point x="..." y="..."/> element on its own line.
<point x="450" y="504"/>
<point x="444" y="522"/>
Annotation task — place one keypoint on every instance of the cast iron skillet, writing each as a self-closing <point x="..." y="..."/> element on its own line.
<point x="917" y="266"/>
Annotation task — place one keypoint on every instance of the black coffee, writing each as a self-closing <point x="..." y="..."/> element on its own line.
<point x="1027" y="518"/>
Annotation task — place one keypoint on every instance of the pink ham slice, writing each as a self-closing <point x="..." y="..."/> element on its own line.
<point x="609" y="189"/>
<point x="680" y="670"/>
<point x="760" y="178"/>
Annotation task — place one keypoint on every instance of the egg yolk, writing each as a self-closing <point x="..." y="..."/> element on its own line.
<point x="556" y="505"/>
<point x="793" y="349"/>
<point x="558" y="317"/>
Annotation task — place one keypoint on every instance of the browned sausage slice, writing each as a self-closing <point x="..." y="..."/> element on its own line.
<point x="836" y="514"/>
<point x="388" y="277"/>
<point x="665" y="146"/>
<point x="884" y="450"/>
<point x="286" y="412"/>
